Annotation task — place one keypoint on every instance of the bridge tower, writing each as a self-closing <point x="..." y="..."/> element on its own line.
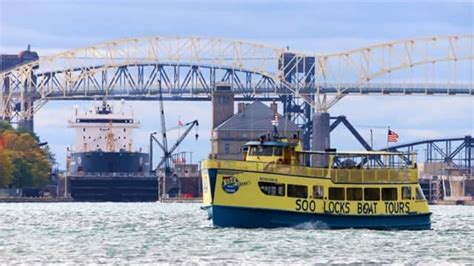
<point x="25" y="106"/>
<point x="298" y="72"/>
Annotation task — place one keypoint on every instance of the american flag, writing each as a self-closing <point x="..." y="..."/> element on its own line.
<point x="392" y="136"/>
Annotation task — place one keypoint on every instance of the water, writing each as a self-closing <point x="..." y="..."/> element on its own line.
<point x="179" y="233"/>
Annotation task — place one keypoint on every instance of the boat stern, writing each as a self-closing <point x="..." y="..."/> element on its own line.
<point x="208" y="176"/>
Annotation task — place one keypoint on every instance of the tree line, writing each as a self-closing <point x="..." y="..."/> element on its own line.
<point x="23" y="163"/>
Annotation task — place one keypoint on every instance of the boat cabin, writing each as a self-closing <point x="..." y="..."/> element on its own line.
<point x="288" y="152"/>
<point x="280" y="151"/>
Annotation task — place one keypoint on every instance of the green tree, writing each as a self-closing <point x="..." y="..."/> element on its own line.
<point x="6" y="169"/>
<point x="50" y="155"/>
<point x="30" y="164"/>
<point x="4" y="125"/>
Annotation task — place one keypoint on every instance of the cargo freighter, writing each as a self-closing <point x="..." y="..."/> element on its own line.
<point x="273" y="186"/>
<point x="104" y="166"/>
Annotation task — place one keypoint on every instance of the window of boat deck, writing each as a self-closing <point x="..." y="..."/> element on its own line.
<point x="372" y="194"/>
<point x="336" y="193"/>
<point x="389" y="193"/>
<point x="353" y="193"/>
<point x="406" y="193"/>
<point x="318" y="192"/>
<point x="265" y="151"/>
<point x="419" y="194"/>
<point x="272" y="189"/>
<point x="297" y="191"/>
<point x="277" y="151"/>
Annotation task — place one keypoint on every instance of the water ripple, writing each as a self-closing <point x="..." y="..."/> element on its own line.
<point x="120" y="233"/>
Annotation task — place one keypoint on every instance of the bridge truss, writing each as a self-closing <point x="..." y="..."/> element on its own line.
<point x="457" y="153"/>
<point x="189" y="69"/>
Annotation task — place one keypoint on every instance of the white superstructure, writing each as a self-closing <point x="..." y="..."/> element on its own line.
<point x="104" y="129"/>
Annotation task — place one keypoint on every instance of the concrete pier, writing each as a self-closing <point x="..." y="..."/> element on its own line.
<point x="26" y="125"/>
<point x="320" y="138"/>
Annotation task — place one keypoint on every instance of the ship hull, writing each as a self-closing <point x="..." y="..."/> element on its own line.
<point x="225" y="216"/>
<point x="110" y="162"/>
<point x="114" y="189"/>
<point x="112" y="176"/>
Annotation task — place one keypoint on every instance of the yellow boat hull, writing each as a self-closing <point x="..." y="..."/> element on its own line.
<point x="233" y="192"/>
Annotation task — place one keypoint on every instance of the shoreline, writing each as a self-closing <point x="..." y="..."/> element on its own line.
<point x="60" y="200"/>
<point x="193" y="200"/>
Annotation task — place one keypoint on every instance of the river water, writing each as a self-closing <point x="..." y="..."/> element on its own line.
<point x="180" y="233"/>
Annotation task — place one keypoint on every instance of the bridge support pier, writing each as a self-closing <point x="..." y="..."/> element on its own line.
<point x="26" y="125"/>
<point x="320" y="138"/>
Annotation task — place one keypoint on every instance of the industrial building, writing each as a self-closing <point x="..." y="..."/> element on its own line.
<point x="231" y="131"/>
<point x="8" y="61"/>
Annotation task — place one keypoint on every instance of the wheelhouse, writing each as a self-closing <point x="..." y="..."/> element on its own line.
<point x="282" y="151"/>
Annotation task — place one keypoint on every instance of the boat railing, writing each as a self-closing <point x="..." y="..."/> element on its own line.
<point x="375" y="175"/>
<point x="356" y="175"/>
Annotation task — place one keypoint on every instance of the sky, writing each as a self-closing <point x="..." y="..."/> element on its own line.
<point x="51" y="26"/>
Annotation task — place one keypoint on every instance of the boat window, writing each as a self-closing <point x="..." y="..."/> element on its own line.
<point x="419" y="194"/>
<point x="318" y="192"/>
<point x="372" y="194"/>
<point x="406" y="193"/>
<point x="336" y="193"/>
<point x="277" y="151"/>
<point x="389" y="193"/>
<point x="297" y="191"/>
<point x="253" y="151"/>
<point x="261" y="151"/>
<point x="264" y="151"/>
<point x="272" y="189"/>
<point x="353" y="193"/>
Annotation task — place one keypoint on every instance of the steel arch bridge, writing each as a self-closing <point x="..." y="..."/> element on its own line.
<point x="190" y="68"/>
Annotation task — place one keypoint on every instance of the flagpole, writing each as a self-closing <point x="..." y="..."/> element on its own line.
<point x="388" y="132"/>
<point x="179" y="130"/>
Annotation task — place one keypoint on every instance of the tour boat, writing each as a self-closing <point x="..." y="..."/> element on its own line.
<point x="274" y="186"/>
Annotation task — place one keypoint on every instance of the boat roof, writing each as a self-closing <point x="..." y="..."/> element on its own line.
<point x="357" y="153"/>
<point x="267" y="143"/>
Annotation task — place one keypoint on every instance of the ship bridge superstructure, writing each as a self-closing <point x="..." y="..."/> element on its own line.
<point x="104" y="128"/>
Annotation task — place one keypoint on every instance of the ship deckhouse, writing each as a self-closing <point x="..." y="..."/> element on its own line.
<point x="104" y="129"/>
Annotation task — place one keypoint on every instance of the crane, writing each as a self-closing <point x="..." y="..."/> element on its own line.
<point x="166" y="159"/>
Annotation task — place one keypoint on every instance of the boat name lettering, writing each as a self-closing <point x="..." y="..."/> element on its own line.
<point x="268" y="179"/>
<point x="367" y="208"/>
<point x="397" y="207"/>
<point x="305" y="205"/>
<point x="244" y="183"/>
<point x="337" y="207"/>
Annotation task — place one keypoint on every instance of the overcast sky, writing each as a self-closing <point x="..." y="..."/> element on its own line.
<point x="316" y="26"/>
